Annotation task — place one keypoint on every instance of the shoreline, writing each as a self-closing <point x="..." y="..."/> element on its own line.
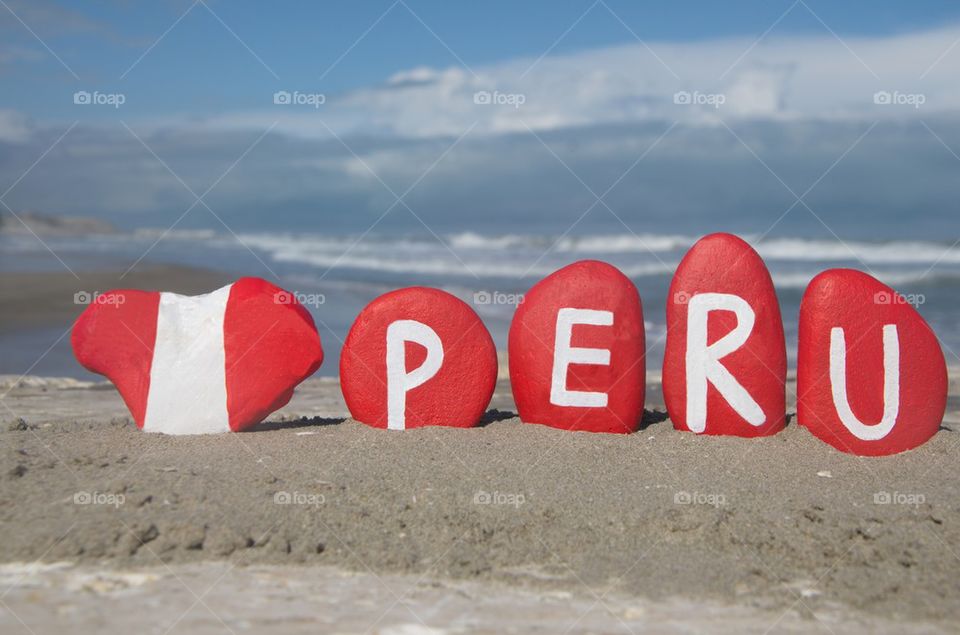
<point x="40" y="299"/>
<point x="40" y="308"/>
<point x="298" y="599"/>
<point x="778" y="523"/>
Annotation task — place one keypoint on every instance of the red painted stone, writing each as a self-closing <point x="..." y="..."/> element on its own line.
<point x="886" y="346"/>
<point x="116" y="340"/>
<point x="194" y="364"/>
<point x="576" y="351"/>
<point x="418" y="357"/>
<point x="735" y="382"/>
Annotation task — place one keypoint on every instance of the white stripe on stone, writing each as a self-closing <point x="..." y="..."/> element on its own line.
<point x="188" y="387"/>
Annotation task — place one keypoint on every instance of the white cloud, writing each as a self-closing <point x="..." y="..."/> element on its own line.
<point x="800" y="103"/>
<point x="14" y="127"/>
<point x="786" y="78"/>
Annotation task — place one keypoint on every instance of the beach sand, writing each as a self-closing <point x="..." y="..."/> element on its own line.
<point x="745" y="534"/>
<point x="316" y="523"/>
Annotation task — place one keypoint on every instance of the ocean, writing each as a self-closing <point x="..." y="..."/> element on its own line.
<point x="336" y="274"/>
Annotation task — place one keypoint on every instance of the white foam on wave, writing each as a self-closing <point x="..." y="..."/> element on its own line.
<point x="800" y="279"/>
<point x="599" y="243"/>
<point x="787" y="249"/>
<point x="522" y="256"/>
<point x="615" y="244"/>
<point x="420" y="256"/>
<point x="443" y="266"/>
<point x="472" y="240"/>
<point x="895" y="252"/>
<point x="156" y="233"/>
<point x="799" y="249"/>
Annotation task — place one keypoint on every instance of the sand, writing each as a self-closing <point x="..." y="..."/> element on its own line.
<point x="316" y="523"/>
<point x="222" y="597"/>
<point x="782" y="528"/>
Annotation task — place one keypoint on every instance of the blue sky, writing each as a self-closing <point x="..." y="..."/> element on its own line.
<point x="200" y="67"/>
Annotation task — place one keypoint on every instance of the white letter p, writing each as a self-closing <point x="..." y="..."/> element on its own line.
<point x="399" y="381"/>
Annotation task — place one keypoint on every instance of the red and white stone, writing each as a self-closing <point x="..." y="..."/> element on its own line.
<point x="576" y="348"/>
<point x="210" y="363"/>
<point x="871" y="376"/>
<point x="725" y="360"/>
<point x="418" y="357"/>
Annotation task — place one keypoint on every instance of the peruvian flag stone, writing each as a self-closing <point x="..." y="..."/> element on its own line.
<point x="871" y="377"/>
<point x="725" y="363"/>
<point x="418" y="357"/>
<point x="576" y="351"/>
<point x="217" y="362"/>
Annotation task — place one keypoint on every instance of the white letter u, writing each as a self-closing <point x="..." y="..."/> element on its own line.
<point x="891" y="384"/>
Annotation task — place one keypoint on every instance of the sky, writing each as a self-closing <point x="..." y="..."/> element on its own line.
<point x="177" y="56"/>
<point x="484" y="115"/>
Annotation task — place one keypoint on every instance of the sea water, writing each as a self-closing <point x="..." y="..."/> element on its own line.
<point x="336" y="274"/>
